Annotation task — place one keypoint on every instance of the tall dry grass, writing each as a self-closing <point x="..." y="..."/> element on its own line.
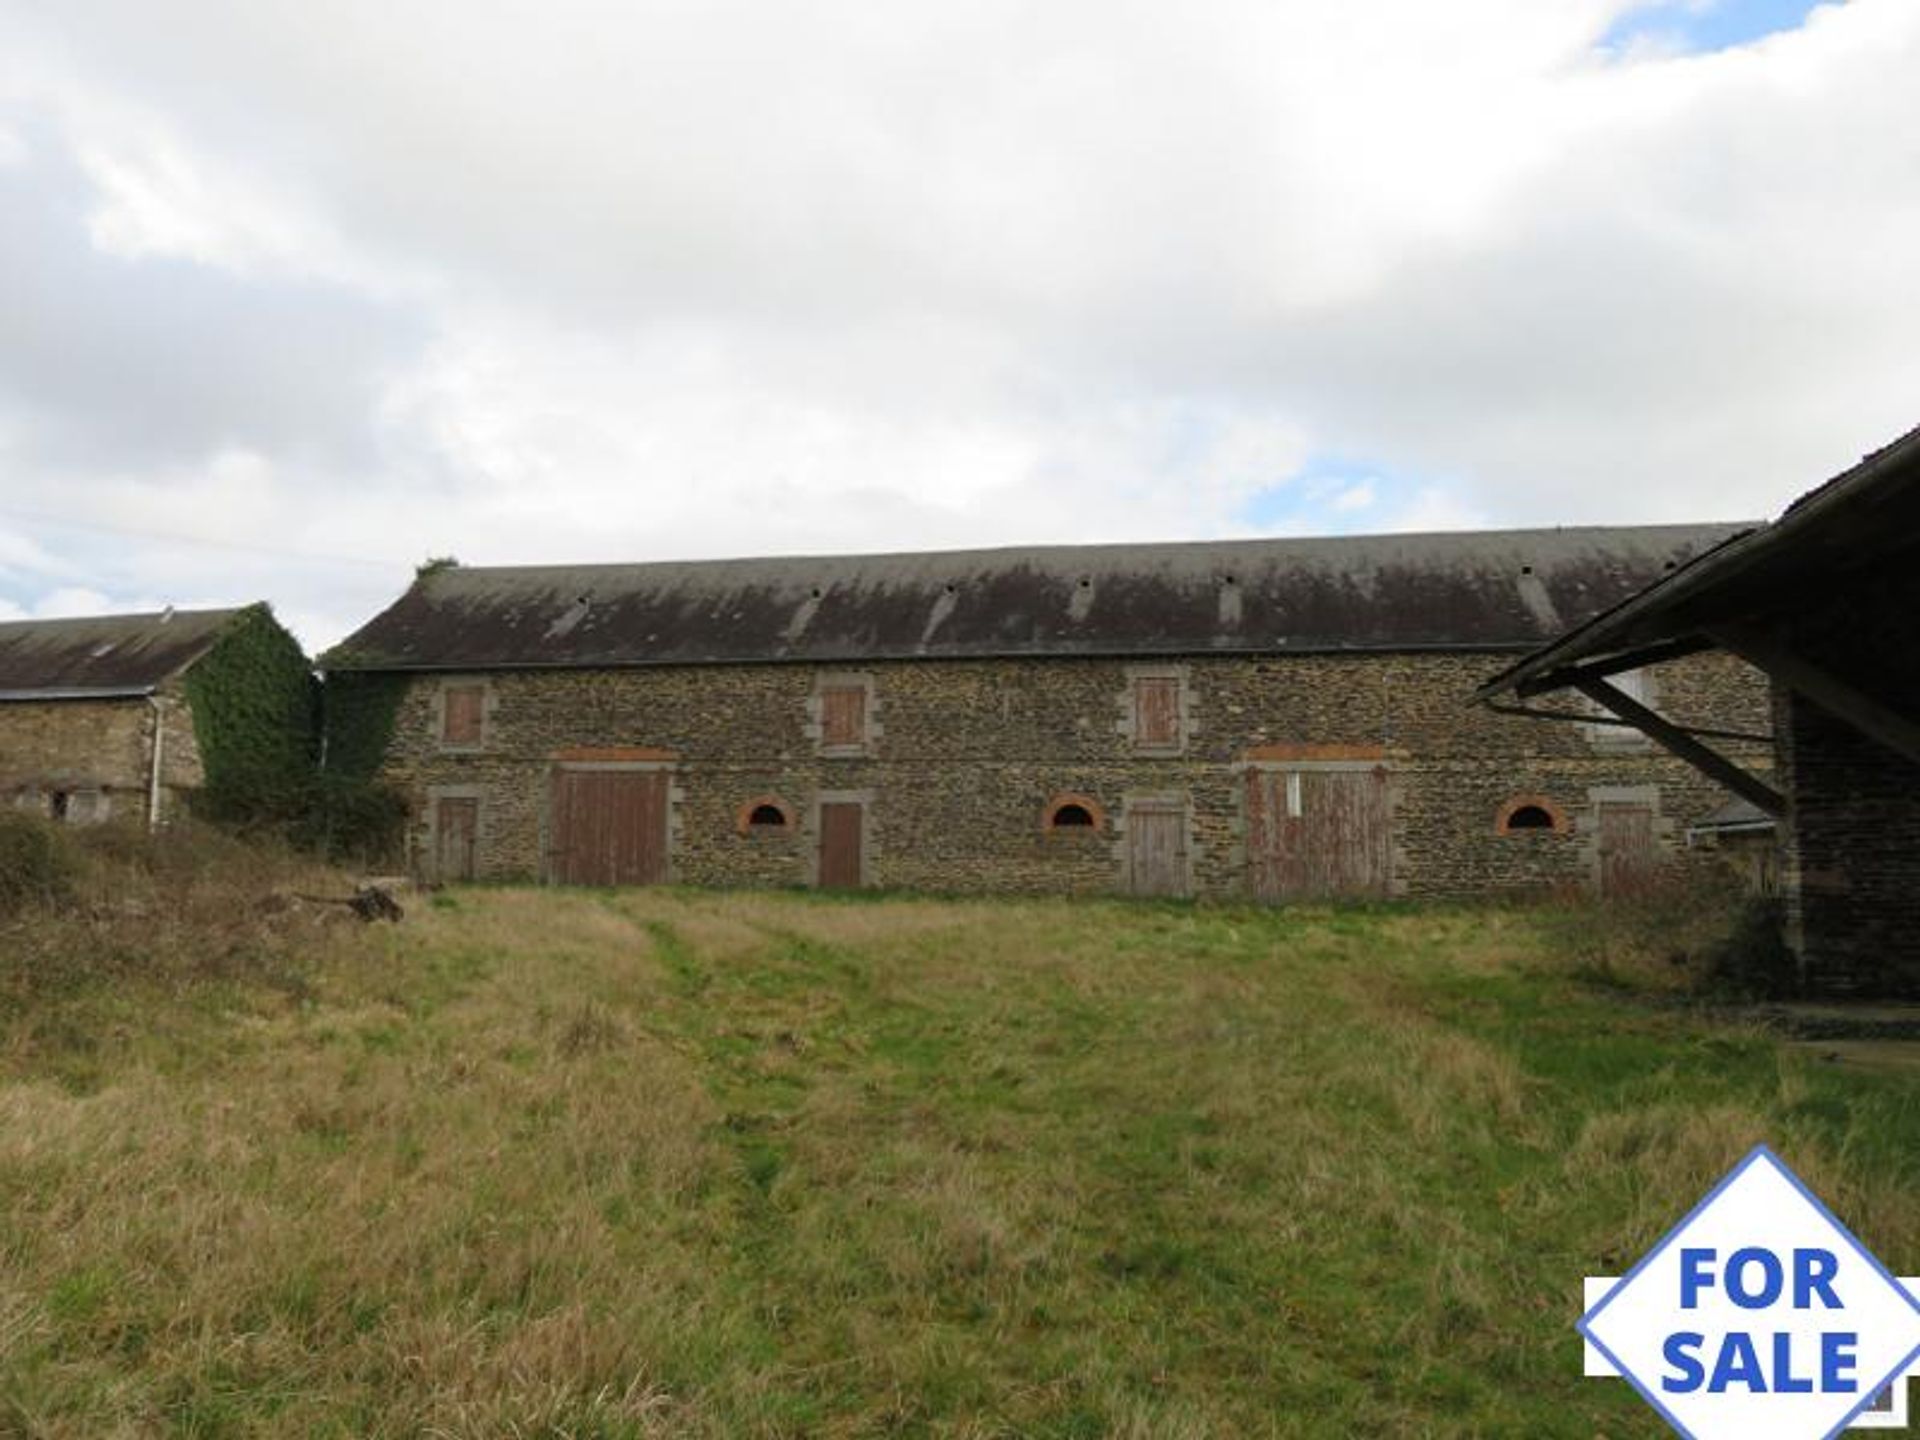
<point x="658" y="1163"/>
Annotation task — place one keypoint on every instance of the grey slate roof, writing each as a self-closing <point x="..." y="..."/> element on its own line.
<point x="102" y="655"/>
<point x="1737" y="816"/>
<point x="1490" y="590"/>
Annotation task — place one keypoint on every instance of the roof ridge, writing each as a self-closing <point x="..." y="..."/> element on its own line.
<point x="1110" y="546"/>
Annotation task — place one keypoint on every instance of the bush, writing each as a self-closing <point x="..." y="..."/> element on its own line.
<point x="37" y="862"/>
<point x="333" y="816"/>
<point x="1702" y="935"/>
<point x="350" y="819"/>
<point x="193" y="902"/>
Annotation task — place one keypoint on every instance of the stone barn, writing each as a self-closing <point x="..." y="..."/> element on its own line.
<point x="1824" y="601"/>
<point x="1262" y="718"/>
<point x="123" y="716"/>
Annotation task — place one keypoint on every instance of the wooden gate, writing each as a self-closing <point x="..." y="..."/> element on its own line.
<point x="842" y="845"/>
<point x="1316" y="832"/>
<point x="1629" y="858"/>
<point x="1156" y="847"/>
<point x="456" y="832"/>
<point x="609" y="827"/>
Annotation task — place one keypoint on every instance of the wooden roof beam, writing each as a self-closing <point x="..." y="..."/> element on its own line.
<point x="1641" y="655"/>
<point x="1869" y="716"/>
<point x="1672" y="738"/>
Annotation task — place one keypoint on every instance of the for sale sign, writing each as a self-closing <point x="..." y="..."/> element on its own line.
<point x="1759" y="1316"/>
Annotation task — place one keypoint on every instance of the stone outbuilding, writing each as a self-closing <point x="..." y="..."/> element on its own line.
<point x="1261" y="718"/>
<point x="107" y="716"/>
<point x="1824" y="600"/>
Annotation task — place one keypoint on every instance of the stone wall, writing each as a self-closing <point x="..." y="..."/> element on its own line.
<point x="965" y="756"/>
<point x="97" y="753"/>
<point x="1851" y="862"/>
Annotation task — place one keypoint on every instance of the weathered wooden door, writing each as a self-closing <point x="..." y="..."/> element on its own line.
<point x="456" y="833"/>
<point x="842" y="836"/>
<point x="1156" y="848"/>
<point x="1628" y="856"/>
<point x="1318" y="832"/>
<point x="609" y="827"/>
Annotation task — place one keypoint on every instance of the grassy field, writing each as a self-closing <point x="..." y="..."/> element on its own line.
<point x="542" y="1163"/>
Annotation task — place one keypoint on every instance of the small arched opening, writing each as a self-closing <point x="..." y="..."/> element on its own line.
<point x="1531" y="815"/>
<point x="766" y="815"/>
<point x="1073" y="815"/>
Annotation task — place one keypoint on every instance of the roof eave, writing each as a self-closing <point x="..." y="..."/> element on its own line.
<point x="1618" y="629"/>
<point x="92" y="692"/>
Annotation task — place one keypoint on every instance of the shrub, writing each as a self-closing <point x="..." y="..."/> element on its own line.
<point x="1702" y="934"/>
<point x="37" y="862"/>
<point x="346" y="818"/>
<point x="337" y="817"/>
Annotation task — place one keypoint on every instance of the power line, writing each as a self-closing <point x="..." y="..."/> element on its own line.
<point x="204" y="541"/>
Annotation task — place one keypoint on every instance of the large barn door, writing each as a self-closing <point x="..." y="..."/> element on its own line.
<point x="609" y="827"/>
<point x="1629" y="858"/>
<point x="1318" y="832"/>
<point x="1156" y="850"/>
<point x="842" y="863"/>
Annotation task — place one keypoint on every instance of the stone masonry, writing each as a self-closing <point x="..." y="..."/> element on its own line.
<point x="93" y="757"/>
<point x="964" y="757"/>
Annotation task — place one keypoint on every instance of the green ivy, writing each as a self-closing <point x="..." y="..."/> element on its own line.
<point x="257" y="716"/>
<point x="255" y="713"/>
<point x="362" y="708"/>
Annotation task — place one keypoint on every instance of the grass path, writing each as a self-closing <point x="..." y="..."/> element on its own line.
<point x="676" y="1163"/>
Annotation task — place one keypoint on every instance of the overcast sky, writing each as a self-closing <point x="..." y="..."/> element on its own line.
<point x="294" y="295"/>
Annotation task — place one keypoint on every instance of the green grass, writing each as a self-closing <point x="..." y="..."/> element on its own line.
<point x="546" y="1163"/>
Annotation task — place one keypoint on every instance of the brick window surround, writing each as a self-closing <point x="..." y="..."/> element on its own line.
<point x="1521" y="816"/>
<point x="1096" y="815"/>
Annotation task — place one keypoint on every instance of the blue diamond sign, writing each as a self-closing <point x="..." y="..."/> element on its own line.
<point x="1759" y="1316"/>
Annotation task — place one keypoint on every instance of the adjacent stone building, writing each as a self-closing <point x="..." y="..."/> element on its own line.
<point x="1270" y="718"/>
<point x="1824" y="601"/>
<point x="103" y="717"/>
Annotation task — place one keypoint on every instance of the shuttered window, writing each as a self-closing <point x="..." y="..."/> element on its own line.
<point x="843" y="715"/>
<point x="463" y="707"/>
<point x="1156" y="712"/>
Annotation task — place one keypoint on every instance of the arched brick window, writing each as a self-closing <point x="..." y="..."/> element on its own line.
<point x="1529" y="814"/>
<point x="1074" y="815"/>
<point x="764" y="815"/>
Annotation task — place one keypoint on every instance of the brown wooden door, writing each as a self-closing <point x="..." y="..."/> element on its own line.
<point x="1317" y="833"/>
<point x="609" y="827"/>
<point x="842" y="836"/>
<point x="1628" y="856"/>
<point x="456" y="833"/>
<point x="1156" y="849"/>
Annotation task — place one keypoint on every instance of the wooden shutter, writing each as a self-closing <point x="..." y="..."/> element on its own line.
<point x="1156" y="712"/>
<point x="463" y="708"/>
<point x="843" y="715"/>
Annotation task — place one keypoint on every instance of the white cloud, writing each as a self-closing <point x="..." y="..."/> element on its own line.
<point x="538" y="282"/>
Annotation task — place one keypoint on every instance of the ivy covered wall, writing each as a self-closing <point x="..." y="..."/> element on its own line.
<point x="361" y="709"/>
<point x="255" y="716"/>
